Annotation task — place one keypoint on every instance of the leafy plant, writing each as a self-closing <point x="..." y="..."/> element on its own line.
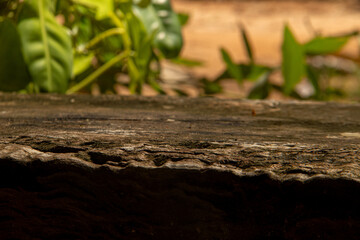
<point x="297" y="57"/>
<point x="296" y="65"/>
<point x="46" y="47"/>
<point x="94" y="42"/>
<point x="243" y="71"/>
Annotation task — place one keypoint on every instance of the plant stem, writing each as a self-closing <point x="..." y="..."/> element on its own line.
<point x="89" y="79"/>
<point x="119" y="24"/>
<point x="103" y="35"/>
<point x="127" y="45"/>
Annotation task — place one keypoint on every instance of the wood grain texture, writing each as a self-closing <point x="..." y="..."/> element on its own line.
<point x="110" y="167"/>
<point x="285" y="140"/>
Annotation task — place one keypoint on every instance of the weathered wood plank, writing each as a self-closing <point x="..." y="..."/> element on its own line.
<point x="115" y="167"/>
<point x="294" y="139"/>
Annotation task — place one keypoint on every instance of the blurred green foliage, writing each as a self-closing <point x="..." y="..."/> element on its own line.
<point x="64" y="46"/>
<point x="297" y="65"/>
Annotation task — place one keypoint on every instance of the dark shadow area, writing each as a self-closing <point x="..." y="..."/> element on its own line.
<point x="58" y="201"/>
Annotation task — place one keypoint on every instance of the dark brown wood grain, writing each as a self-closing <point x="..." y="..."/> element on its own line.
<point x="110" y="167"/>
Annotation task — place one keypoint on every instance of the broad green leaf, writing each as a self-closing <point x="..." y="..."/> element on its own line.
<point x="293" y="61"/>
<point x="14" y="74"/>
<point x="81" y="63"/>
<point x="144" y="48"/>
<point x="261" y="88"/>
<point x="325" y="45"/>
<point x="46" y="47"/>
<point x="103" y="7"/>
<point x="233" y="69"/>
<point x="159" y="18"/>
<point x="136" y="28"/>
<point x="247" y="44"/>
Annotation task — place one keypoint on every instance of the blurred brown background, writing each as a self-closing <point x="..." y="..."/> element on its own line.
<point x="214" y="24"/>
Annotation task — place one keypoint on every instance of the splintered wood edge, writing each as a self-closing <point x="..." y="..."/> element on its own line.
<point x="27" y="156"/>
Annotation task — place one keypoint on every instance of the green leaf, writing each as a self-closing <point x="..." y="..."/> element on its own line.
<point x="103" y="7"/>
<point x="325" y="45"/>
<point x="14" y="74"/>
<point x="250" y="72"/>
<point x="159" y="18"/>
<point x="233" y="69"/>
<point x="247" y="44"/>
<point x="261" y="88"/>
<point x="81" y="63"/>
<point x="144" y="51"/>
<point x="46" y="47"/>
<point x="254" y="72"/>
<point x="293" y="64"/>
<point x="183" y="18"/>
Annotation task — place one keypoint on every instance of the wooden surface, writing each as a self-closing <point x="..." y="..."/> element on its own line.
<point x="285" y="140"/>
<point x="81" y="167"/>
